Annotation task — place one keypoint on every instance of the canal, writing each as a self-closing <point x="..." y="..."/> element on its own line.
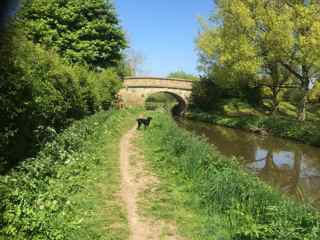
<point x="291" y="167"/>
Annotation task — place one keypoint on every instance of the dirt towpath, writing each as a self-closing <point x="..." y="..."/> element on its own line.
<point x="135" y="179"/>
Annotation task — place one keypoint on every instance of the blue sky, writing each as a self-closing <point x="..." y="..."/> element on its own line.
<point x="164" y="32"/>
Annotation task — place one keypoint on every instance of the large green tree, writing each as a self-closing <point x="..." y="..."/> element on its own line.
<point x="82" y="31"/>
<point x="250" y="35"/>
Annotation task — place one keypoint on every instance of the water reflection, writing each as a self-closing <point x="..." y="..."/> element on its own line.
<point x="291" y="167"/>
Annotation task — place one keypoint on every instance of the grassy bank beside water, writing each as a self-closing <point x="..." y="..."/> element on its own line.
<point x="305" y="132"/>
<point x="68" y="191"/>
<point x="212" y="197"/>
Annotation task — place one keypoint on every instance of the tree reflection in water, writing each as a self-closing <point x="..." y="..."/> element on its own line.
<point x="291" y="167"/>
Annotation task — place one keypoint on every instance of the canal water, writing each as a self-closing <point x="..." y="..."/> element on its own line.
<point x="291" y="167"/>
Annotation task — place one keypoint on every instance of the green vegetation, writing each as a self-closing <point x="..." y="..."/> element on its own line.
<point x="268" y="48"/>
<point x="61" y="61"/>
<point x="68" y="190"/>
<point x="49" y="82"/>
<point x="160" y="100"/>
<point x="61" y="68"/>
<point x="85" y="32"/>
<point x="41" y="94"/>
<point x="183" y="75"/>
<point x="211" y="197"/>
<point x="236" y="113"/>
<point x="261" y="68"/>
<point x="306" y="132"/>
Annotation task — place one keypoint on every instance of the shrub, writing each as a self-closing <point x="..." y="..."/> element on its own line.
<point x="205" y="95"/>
<point x="38" y="90"/>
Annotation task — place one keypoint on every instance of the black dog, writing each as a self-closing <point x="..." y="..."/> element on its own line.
<point x="144" y="121"/>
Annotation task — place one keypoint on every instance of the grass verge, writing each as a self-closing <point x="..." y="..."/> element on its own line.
<point x="305" y="132"/>
<point x="69" y="190"/>
<point x="211" y="197"/>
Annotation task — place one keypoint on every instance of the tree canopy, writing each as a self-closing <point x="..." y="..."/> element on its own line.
<point x="81" y="31"/>
<point x="249" y="36"/>
<point x="183" y="75"/>
<point x="49" y="58"/>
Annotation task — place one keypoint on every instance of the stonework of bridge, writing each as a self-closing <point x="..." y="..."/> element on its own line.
<point x="137" y="89"/>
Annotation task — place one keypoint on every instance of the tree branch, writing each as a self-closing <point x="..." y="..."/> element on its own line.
<point x="291" y="70"/>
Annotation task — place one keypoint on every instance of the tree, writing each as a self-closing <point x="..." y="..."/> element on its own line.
<point x="183" y="75"/>
<point x="274" y="81"/>
<point x="134" y="61"/>
<point x="40" y="92"/>
<point x="302" y="57"/>
<point x="314" y="96"/>
<point x="250" y="35"/>
<point x="85" y="32"/>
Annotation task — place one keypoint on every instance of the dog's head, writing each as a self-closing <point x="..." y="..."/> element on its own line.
<point x="149" y="118"/>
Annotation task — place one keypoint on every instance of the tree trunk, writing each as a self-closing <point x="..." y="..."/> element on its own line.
<point x="305" y="89"/>
<point x="275" y="86"/>
<point x="275" y="102"/>
<point x="302" y="107"/>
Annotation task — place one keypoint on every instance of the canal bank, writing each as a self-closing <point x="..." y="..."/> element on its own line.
<point x="212" y="194"/>
<point x="291" y="167"/>
<point x="304" y="132"/>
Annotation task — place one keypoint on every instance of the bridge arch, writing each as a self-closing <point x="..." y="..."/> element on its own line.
<point x="178" y="108"/>
<point x="137" y="89"/>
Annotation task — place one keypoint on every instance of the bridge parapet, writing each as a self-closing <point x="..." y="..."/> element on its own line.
<point x="153" y="82"/>
<point x="137" y="89"/>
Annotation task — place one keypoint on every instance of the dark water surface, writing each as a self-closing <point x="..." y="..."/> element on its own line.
<point x="291" y="167"/>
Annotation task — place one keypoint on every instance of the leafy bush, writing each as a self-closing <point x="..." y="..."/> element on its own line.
<point x="38" y="90"/>
<point x="210" y="92"/>
<point x="205" y="95"/>
<point x="249" y="207"/>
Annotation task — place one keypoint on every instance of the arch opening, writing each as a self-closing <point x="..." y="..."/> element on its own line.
<point x="167" y="100"/>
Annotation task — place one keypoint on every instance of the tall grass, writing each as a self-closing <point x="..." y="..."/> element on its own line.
<point x="232" y="201"/>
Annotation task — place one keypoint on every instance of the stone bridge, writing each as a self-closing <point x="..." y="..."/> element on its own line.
<point x="137" y="89"/>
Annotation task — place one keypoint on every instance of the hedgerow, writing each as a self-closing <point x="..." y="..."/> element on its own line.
<point x="40" y="93"/>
